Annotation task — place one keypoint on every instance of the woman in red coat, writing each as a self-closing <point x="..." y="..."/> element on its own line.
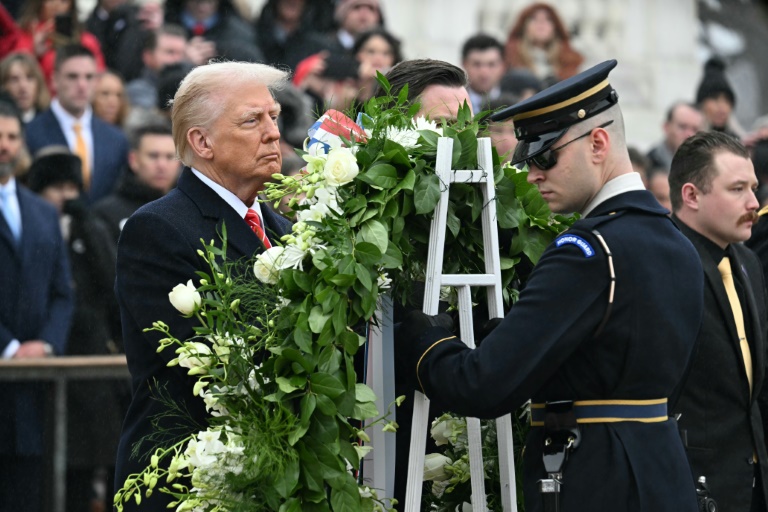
<point x="45" y="25"/>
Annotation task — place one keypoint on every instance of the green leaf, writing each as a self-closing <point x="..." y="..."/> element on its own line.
<point x="327" y="385"/>
<point x="468" y="159"/>
<point x="317" y="319"/>
<point x="343" y="280"/>
<point x="308" y="404"/>
<point x="535" y="245"/>
<point x="292" y="505"/>
<point x="324" y="429"/>
<point x="363" y="393"/>
<point x="348" y="451"/>
<point x="393" y="258"/>
<point x="326" y="406"/>
<point x="365" y="411"/>
<point x="330" y="464"/>
<point x="350" y="341"/>
<point x="339" y="318"/>
<point x="345" y="496"/>
<point x="303" y="339"/>
<point x="367" y="253"/>
<point x="303" y="280"/>
<point x="426" y="193"/>
<point x="287" y="385"/>
<point x="380" y="176"/>
<point x="364" y="276"/>
<point x="507" y="263"/>
<point x="310" y="473"/>
<point x="286" y="483"/>
<point x="428" y="138"/>
<point x="407" y="183"/>
<point x="329" y="361"/>
<point x="374" y="232"/>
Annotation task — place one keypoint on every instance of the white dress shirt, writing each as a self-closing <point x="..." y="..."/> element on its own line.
<point x="230" y="198"/>
<point x="13" y="200"/>
<point x="67" y="120"/>
<point x="618" y="185"/>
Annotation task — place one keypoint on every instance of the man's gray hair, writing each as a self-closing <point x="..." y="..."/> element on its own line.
<point x="199" y="99"/>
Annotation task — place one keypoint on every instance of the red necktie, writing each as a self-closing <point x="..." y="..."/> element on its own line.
<point x="198" y="29"/>
<point x="254" y="222"/>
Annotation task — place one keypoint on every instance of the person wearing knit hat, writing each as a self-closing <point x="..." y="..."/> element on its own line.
<point x="354" y="17"/>
<point x="715" y="97"/>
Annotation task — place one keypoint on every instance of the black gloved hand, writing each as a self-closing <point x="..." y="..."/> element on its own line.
<point x="486" y="329"/>
<point x="407" y="335"/>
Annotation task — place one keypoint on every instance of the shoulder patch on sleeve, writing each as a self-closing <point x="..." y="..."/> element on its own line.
<point x="578" y="242"/>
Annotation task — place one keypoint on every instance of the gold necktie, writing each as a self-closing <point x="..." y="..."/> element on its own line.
<point x="725" y="272"/>
<point x="81" y="150"/>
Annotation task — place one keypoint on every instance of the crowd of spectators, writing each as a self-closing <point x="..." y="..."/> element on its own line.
<point x="92" y="97"/>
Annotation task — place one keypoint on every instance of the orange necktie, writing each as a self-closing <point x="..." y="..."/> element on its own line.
<point x="81" y="150"/>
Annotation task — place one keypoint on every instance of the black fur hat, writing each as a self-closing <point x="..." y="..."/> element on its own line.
<point x="53" y="168"/>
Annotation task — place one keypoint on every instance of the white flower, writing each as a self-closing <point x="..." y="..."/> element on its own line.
<point x="265" y="268"/>
<point x="315" y="163"/>
<point x="445" y="429"/>
<point x="464" y="507"/>
<point x="434" y="467"/>
<point x="407" y="138"/>
<point x="310" y="214"/>
<point x="292" y="257"/>
<point x="185" y="298"/>
<point x="422" y="123"/>
<point x="194" y="354"/>
<point x="341" y="166"/>
<point x="383" y="281"/>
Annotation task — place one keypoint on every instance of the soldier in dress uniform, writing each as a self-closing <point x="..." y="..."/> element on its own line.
<point x="603" y="331"/>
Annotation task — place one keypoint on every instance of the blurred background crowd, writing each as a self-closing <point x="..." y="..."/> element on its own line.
<point x="90" y="84"/>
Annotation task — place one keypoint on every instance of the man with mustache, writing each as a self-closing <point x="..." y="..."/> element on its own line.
<point x="712" y="183"/>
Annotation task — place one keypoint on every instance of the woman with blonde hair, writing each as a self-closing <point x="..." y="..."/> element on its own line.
<point x="540" y="43"/>
<point x="22" y="78"/>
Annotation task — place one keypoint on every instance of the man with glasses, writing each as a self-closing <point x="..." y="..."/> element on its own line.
<point x="603" y="331"/>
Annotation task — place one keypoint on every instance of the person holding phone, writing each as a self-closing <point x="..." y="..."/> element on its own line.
<point x="44" y="26"/>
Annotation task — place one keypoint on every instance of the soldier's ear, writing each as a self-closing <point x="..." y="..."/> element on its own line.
<point x="690" y="195"/>
<point x="600" y="143"/>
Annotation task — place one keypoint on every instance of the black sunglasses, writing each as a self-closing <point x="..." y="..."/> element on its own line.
<point x="547" y="159"/>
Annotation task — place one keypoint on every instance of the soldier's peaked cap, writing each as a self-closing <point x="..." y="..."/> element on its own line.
<point x="544" y="117"/>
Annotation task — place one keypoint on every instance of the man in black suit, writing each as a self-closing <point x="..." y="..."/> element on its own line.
<point x="35" y="314"/>
<point x="712" y="182"/>
<point x="225" y="129"/>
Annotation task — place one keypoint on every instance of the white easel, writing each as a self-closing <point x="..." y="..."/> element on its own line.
<point x="382" y="346"/>
<point x="491" y="280"/>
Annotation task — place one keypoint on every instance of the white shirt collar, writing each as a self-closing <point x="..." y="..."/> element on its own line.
<point x="618" y="185"/>
<point x="228" y="197"/>
<point x="67" y="119"/>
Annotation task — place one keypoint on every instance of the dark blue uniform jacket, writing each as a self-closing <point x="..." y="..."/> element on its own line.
<point x="546" y="349"/>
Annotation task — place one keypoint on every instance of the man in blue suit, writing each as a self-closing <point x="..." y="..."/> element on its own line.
<point x="35" y="312"/>
<point x="102" y="147"/>
<point x="225" y="130"/>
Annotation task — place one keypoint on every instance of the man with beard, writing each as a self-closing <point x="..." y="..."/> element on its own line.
<point x="713" y="185"/>
<point x="35" y="314"/>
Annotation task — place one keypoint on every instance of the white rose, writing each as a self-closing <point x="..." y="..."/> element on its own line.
<point x="341" y="167"/>
<point x="265" y="268"/>
<point x="184" y="297"/>
<point x="445" y="429"/>
<point x="434" y="467"/>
